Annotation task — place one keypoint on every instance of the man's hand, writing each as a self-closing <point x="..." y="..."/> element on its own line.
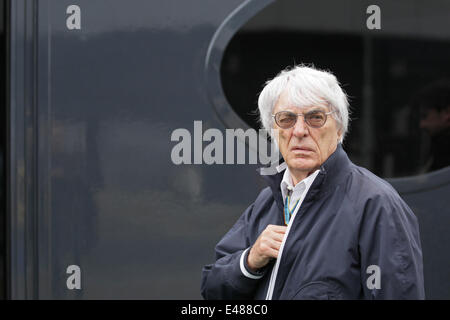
<point x="266" y="246"/>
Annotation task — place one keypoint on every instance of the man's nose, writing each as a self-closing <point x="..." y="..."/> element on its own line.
<point x="300" y="128"/>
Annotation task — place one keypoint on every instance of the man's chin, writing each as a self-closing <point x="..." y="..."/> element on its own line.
<point x="302" y="165"/>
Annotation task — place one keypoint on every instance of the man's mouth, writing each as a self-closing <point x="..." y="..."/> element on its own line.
<point x="302" y="149"/>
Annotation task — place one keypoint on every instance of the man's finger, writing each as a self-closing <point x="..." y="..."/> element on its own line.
<point x="275" y="244"/>
<point x="273" y="253"/>
<point x="277" y="236"/>
<point x="278" y="229"/>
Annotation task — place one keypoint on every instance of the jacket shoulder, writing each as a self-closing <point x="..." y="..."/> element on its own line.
<point x="364" y="185"/>
<point x="264" y="195"/>
<point x="373" y="197"/>
<point x="265" y="198"/>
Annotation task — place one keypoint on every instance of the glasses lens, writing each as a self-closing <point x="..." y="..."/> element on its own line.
<point x="285" y="119"/>
<point x="315" y="118"/>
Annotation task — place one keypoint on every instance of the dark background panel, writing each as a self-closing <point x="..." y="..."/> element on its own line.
<point x="138" y="225"/>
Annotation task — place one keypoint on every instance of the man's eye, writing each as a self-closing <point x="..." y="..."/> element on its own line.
<point x="315" y="115"/>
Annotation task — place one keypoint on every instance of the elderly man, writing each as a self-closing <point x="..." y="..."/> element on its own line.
<point x="324" y="228"/>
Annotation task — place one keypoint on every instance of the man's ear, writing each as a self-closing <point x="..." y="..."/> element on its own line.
<point x="339" y="134"/>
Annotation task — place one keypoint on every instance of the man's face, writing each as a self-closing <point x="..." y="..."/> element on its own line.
<point x="305" y="148"/>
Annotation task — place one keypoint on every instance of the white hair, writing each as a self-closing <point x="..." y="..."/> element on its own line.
<point x="305" y="86"/>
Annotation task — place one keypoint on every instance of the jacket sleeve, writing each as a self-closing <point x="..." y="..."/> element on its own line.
<point x="228" y="278"/>
<point x="390" y="250"/>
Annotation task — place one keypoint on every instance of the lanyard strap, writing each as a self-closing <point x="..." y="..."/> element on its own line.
<point x="287" y="212"/>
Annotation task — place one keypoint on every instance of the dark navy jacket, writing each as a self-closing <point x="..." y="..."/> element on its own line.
<point x="349" y="223"/>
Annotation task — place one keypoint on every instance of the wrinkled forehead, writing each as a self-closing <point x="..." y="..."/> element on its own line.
<point x="300" y="101"/>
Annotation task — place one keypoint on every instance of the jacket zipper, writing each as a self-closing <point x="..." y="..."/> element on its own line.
<point x="273" y="276"/>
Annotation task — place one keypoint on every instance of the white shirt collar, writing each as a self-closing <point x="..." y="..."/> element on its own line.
<point x="300" y="188"/>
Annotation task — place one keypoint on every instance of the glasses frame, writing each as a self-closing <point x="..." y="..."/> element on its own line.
<point x="303" y="115"/>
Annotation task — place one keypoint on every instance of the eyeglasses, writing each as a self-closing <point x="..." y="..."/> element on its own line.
<point x="288" y="119"/>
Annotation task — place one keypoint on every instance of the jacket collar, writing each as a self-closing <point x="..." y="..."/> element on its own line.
<point x="331" y="172"/>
